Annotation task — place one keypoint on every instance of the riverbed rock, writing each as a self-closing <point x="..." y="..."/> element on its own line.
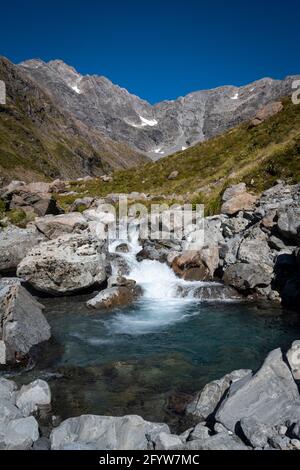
<point x="199" y="432"/>
<point x="209" y="398"/>
<point x="15" y="243"/>
<point x="23" y="324"/>
<point x="65" y="265"/>
<point x="166" y="441"/>
<point x="221" y="441"/>
<point x="197" y="265"/>
<point x="116" y="296"/>
<point x="33" y="396"/>
<point x="271" y="396"/>
<point x="20" y="434"/>
<point x="7" y="389"/>
<point x="53" y="226"/>
<point x="256" y="433"/>
<point x="293" y="357"/>
<point x="246" y="277"/>
<point x="107" y="432"/>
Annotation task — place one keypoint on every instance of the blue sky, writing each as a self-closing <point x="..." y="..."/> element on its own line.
<point x="158" y="49"/>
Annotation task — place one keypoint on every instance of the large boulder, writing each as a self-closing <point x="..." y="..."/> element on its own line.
<point x="22" y="323"/>
<point x="245" y="277"/>
<point x="65" y="265"/>
<point x="107" y="433"/>
<point x="208" y="399"/>
<point x="197" y="265"/>
<point x="15" y="243"/>
<point x="289" y="224"/>
<point x="271" y="396"/>
<point x="53" y="226"/>
<point x="34" y="202"/>
<point x="254" y="248"/>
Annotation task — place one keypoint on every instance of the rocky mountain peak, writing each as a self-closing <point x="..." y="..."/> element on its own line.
<point x="155" y="130"/>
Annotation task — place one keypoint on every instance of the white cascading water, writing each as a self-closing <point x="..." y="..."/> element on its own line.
<point x="163" y="303"/>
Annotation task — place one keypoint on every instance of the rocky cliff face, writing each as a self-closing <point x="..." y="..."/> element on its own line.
<point x="157" y="130"/>
<point x="39" y="137"/>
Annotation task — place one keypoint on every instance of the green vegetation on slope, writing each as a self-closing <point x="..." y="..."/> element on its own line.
<point x="257" y="156"/>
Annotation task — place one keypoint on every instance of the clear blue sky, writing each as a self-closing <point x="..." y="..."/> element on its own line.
<point x="158" y="49"/>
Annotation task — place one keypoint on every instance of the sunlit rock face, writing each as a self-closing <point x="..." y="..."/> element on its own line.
<point x="156" y="130"/>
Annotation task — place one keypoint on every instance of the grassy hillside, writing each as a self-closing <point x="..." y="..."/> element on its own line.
<point x="40" y="141"/>
<point x="258" y="156"/>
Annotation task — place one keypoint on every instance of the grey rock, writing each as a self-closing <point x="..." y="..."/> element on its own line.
<point x="166" y="441"/>
<point x="199" y="432"/>
<point x="15" y="244"/>
<point x="271" y="396"/>
<point x="107" y="432"/>
<point x="8" y="411"/>
<point x="209" y="398"/>
<point x="293" y="357"/>
<point x="7" y="389"/>
<point x="258" y="434"/>
<point x="43" y="443"/>
<point x="289" y="223"/>
<point x="67" y="264"/>
<point x="21" y="434"/>
<point x="254" y="248"/>
<point x="33" y="396"/>
<point x="221" y="441"/>
<point x="23" y="324"/>
<point x="53" y="226"/>
<point x="245" y="276"/>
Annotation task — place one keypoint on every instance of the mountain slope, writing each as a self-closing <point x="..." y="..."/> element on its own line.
<point x="157" y="130"/>
<point x="256" y="155"/>
<point x="38" y="139"/>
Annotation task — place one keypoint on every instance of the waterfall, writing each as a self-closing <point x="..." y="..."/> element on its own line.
<point x="158" y="280"/>
<point x="166" y="299"/>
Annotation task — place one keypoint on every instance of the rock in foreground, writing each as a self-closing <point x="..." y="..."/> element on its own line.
<point x="106" y="433"/>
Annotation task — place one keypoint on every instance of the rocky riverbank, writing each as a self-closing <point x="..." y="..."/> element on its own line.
<point x="244" y="410"/>
<point x="250" y="251"/>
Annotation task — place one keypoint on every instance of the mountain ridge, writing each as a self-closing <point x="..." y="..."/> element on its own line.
<point x="163" y="128"/>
